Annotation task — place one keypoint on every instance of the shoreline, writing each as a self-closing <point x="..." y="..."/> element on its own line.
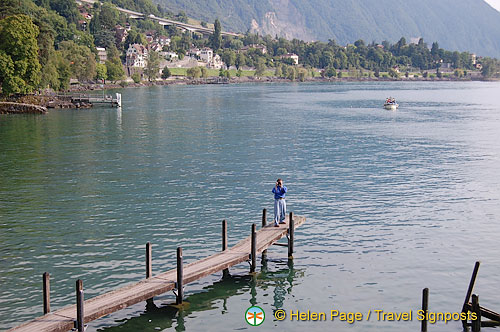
<point x="53" y="100"/>
<point x="266" y="79"/>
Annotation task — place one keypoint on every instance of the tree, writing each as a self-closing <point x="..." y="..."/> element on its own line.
<point x="290" y="74"/>
<point x="152" y="69"/>
<point x="136" y="78"/>
<point x="194" y="72"/>
<point x="115" y="69"/>
<point x="277" y="71"/>
<point x="165" y="73"/>
<point x="19" y="65"/>
<point x="240" y="60"/>
<point x="101" y="72"/>
<point x="204" y="72"/>
<point x="82" y="60"/>
<point x="260" y="68"/>
<point x="228" y="57"/>
<point x="330" y="72"/>
<point x="216" y="39"/>
<point x="488" y="67"/>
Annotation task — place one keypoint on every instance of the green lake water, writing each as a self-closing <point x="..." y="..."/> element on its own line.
<point x="395" y="201"/>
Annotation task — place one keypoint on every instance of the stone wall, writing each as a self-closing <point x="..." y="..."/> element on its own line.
<point x="19" y="108"/>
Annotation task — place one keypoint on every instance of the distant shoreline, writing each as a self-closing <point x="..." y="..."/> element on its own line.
<point x="50" y="100"/>
<point x="182" y="80"/>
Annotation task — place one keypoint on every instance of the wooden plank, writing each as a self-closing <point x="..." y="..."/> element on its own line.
<point x="487" y="313"/>
<point x="104" y="304"/>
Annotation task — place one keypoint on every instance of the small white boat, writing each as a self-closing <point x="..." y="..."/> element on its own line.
<point x="390" y="104"/>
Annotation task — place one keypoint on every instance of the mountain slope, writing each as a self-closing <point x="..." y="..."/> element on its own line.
<point x="464" y="25"/>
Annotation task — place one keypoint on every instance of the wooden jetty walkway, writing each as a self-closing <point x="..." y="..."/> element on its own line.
<point x="94" y="99"/>
<point x="75" y="316"/>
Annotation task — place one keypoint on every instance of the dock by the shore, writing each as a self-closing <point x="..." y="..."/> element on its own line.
<point x="86" y="311"/>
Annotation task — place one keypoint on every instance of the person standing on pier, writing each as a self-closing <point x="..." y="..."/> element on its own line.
<point x="279" y="192"/>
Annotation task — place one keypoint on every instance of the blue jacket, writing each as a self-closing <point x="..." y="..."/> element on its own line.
<point x="279" y="192"/>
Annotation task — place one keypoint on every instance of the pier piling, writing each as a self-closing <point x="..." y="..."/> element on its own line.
<point x="79" y="306"/>
<point x="291" y="230"/>
<point x="225" y="272"/>
<point x="180" y="273"/>
<point x="469" y="292"/>
<point x="46" y="293"/>
<point x="264" y="223"/>
<point x="253" y="253"/>
<point x="149" y="265"/>
<point x="476" y="323"/>
<point x="425" y="307"/>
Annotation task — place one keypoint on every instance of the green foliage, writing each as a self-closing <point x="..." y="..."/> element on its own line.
<point x="489" y="68"/>
<point x="136" y="78"/>
<point x="115" y="69"/>
<point x="194" y="72"/>
<point x="291" y="73"/>
<point x="19" y="65"/>
<point x="65" y="8"/>
<point x="277" y="71"/>
<point x="82" y="60"/>
<point x="260" y="67"/>
<point x="101" y="71"/>
<point x="152" y="69"/>
<point x="165" y="73"/>
<point x="229" y="57"/>
<point x="302" y="74"/>
<point x="216" y="37"/>
<point x="330" y="72"/>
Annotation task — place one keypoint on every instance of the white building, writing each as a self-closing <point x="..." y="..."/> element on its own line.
<point x="292" y="56"/>
<point x="137" y="56"/>
<point x="206" y="55"/>
<point x="102" y="54"/>
<point x="216" y="62"/>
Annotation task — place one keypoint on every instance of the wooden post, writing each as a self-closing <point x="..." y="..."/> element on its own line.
<point x="253" y="253"/>
<point x="425" y="307"/>
<point x="180" y="292"/>
<point x="264" y="223"/>
<point x="469" y="292"/>
<point x="291" y="229"/>
<point x="79" y="306"/>
<point x="46" y="293"/>
<point x="149" y="265"/>
<point x="225" y="272"/>
<point x="476" y="324"/>
<point x="224" y="235"/>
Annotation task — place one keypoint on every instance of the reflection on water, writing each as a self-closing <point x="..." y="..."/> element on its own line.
<point x="395" y="201"/>
<point x="214" y="297"/>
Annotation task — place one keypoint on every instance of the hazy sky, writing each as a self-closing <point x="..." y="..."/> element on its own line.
<point x="494" y="3"/>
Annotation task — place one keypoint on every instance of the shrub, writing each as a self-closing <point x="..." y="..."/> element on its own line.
<point x="136" y="77"/>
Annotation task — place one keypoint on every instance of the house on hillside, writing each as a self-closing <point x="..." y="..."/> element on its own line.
<point x="245" y="49"/>
<point x="136" y="58"/>
<point x="206" y="55"/>
<point x="215" y="62"/>
<point x="121" y="34"/>
<point x="163" y="41"/>
<point x="292" y="56"/>
<point x="194" y="53"/>
<point x="102" y="54"/>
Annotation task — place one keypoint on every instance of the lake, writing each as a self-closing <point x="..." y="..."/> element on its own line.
<point x="395" y="201"/>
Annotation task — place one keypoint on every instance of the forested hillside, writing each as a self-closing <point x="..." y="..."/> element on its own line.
<point x="461" y="25"/>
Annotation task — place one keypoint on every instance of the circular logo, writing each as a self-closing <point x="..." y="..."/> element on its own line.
<point x="255" y="316"/>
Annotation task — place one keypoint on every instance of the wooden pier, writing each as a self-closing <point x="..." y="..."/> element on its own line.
<point x="246" y="250"/>
<point x="91" y="99"/>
